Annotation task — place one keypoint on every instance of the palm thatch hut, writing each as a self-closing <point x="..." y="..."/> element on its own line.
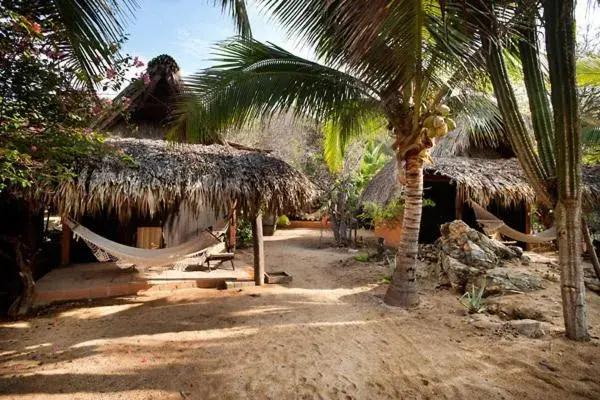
<point x="163" y="191"/>
<point x="499" y="184"/>
<point x="146" y="103"/>
<point x="159" y="180"/>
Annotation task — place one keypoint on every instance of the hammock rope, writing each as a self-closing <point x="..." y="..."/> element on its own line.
<point x="492" y="224"/>
<point x="106" y="250"/>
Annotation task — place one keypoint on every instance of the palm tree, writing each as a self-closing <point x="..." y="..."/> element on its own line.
<point x="400" y="73"/>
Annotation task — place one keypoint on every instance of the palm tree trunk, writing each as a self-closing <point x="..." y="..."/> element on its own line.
<point x="559" y="20"/>
<point x="402" y="291"/>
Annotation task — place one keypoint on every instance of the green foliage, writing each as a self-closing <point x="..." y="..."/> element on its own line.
<point x="243" y="233"/>
<point x="86" y="33"/>
<point x="588" y="71"/>
<point x="362" y="119"/>
<point x="591" y="145"/>
<point x="389" y="213"/>
<point x="375" y="156"/>
<point x="43" y="156"/>
<point x="44" y="110"/>
<point x="255" y="81"/>
<point x="361" y="257"/>
<point x="283" y="221"/>
<point x="473" y="300"/>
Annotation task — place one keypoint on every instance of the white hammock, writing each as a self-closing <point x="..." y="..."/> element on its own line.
<point x="492" y="224"/>
<point x="125" y="256"/>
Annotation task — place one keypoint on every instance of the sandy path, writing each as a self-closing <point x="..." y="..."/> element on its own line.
<point x="326" y="336"/>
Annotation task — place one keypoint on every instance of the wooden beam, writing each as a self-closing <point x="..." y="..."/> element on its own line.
<point x="65" y="244"/>
<point x="232" y="240"/>
<point x="528" y="224"/>
<point x="458" y="203"/>
<point x="259" y="251"/>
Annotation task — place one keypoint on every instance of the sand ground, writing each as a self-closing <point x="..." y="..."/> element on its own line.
<point x="325" y="336"/>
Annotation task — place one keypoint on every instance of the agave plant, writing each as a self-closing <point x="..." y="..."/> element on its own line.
<point x="473" y="300"/>
<point x="396" y="62"/>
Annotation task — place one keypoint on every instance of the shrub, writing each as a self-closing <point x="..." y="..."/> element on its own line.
<point x="389" y="213"/>
<point x="283" y="221"/>
<point x="243" y="233"/>
<point x="361" y="257"/>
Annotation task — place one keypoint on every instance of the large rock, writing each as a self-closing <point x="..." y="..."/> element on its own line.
<point x="469" y="258"/>
<point x="527" y="327"/>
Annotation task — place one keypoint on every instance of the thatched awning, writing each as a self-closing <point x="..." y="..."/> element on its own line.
<point x="480" y="179"/>
<point x="163" y="174"/>
<point x="591" y="187"/>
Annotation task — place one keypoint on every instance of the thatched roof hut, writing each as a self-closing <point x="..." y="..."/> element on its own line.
<point x="161" y="174"/>
<point x="481" y="179"/>
<point x="148" y="102"/>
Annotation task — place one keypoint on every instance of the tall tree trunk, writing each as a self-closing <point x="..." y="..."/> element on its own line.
<point x="559" y="20"/>
<point x="24" y="259"/>
<point x="403" y="291"/>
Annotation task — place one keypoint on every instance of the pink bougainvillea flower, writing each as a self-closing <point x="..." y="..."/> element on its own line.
<point x="110" y="73"/>
<point x="37" y="28"/>
<point x="87" y="132"/>
<point x="34" y="148"/>
<point x="97" y="109"/>
<point x="146" y="78"/>
<point x="137" y="62"/>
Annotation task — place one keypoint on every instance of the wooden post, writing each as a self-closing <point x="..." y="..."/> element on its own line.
<point x="458" y="203"/>
<point x="65" y="244"/>
<point x="232" y="229"/>
<point x="259" y="251"/>
<point x="528" y="229"/>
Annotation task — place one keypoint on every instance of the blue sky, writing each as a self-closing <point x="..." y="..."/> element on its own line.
<point x="186" y="30"/>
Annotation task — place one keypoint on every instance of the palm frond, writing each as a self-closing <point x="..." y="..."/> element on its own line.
<point x="480" y="118"/>
<point x="92" y="28"/>
<point x="253" y="81"/>
<point x="588" y="71"/>
<point x="358" y="118"/>
<point x="238" y="11"/>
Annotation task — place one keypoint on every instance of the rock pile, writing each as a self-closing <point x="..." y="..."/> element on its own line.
<point x="468" y="257"/>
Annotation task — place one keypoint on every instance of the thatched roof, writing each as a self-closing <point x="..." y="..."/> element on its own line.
<point x="462" y="142"/>
<point x="481" y="179"/>
<point x="163" y="173"/>
<point x="591" y="188"/>
<point x="478" y="178"/>
<point x="149" y="104"/>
